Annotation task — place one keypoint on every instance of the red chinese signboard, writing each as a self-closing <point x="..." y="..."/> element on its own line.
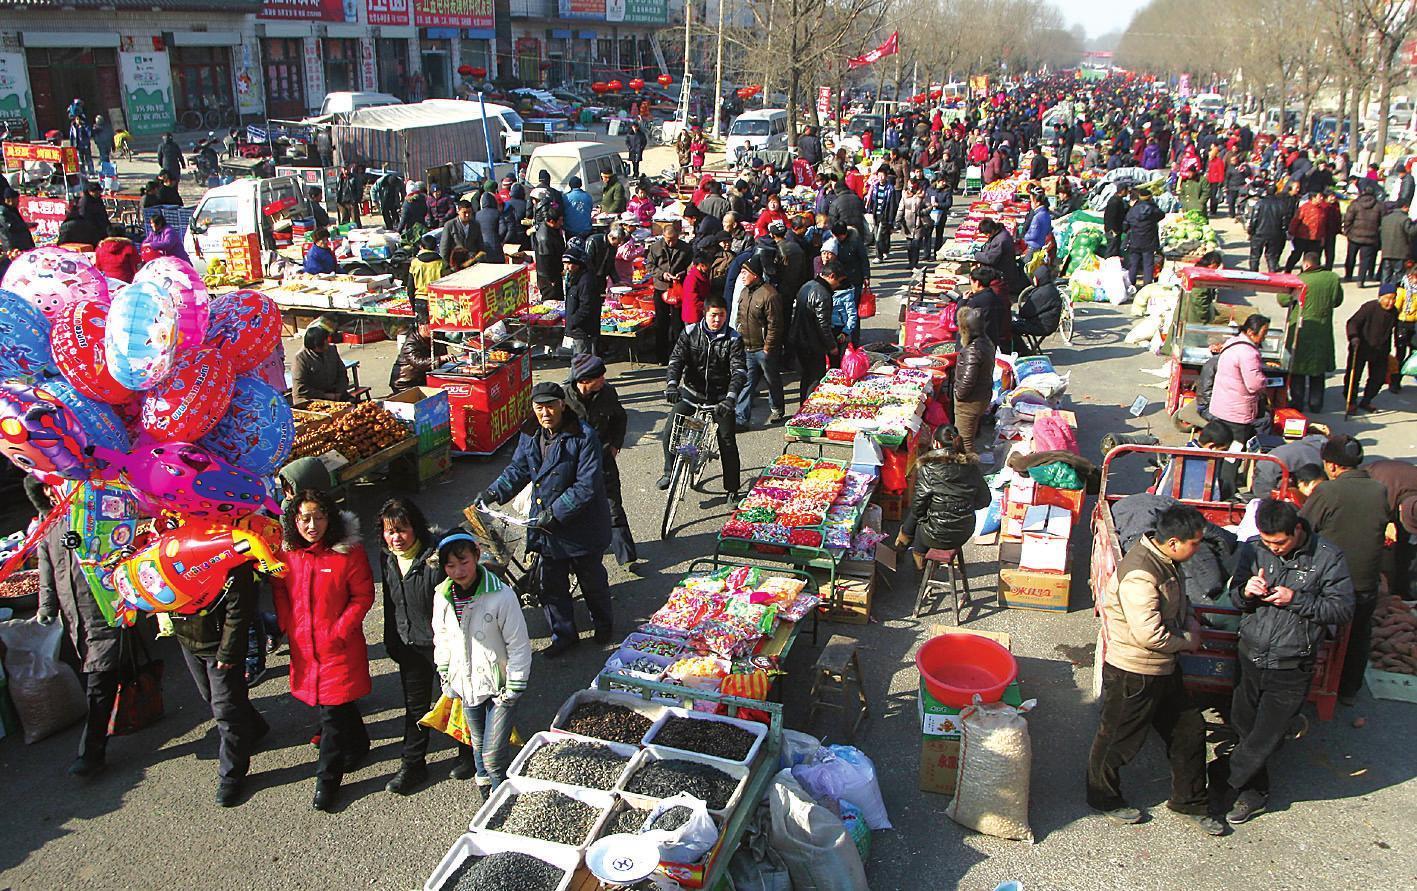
<point x="486" y="412"/>
<point x="48" y="213"/>
<point x="452" y="13"/>
<point x="17" y="153"/>
<point x="387" y="12"/>
<point x="304" y="10"/>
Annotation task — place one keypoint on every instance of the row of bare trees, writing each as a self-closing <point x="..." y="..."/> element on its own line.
<point x="1305" y="54"/>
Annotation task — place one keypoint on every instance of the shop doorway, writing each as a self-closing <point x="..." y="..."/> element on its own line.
<point x="437" y="74"/>
<point x="59" y="75"/>
<point x="202" y="87"/>
<point x="284" y="64"/>
<point x="341" y="65"/>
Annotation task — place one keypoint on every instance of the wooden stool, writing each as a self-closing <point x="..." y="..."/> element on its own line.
<point x="953" y="563"/>
<point x="835" y="668"/>
<point x="356" y="392"/>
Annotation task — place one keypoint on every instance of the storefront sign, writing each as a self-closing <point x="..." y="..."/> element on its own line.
<point x="386" y="12"/>
<point x="249" y="99"/>
<point x="147" y="92"/>
<point x="368" y="74"/>
<point x="314" y="73"/>
<point x="646" y="12"/>
<point x="452" y="13"/>
<point x="614" y="11"/>
<point x="16" y="104"/>
<point x="306" y="10"/>
<point x="16" y="153"/>
<point x="582" y="9"/>
<point x="47" y="213"/>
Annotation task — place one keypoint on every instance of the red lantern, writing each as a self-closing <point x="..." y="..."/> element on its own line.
<point x="615" y="86"/>
<point x="477" y="72"/>
<point x="637" y="84"/>
<point x="599" y="87"/>
<point x="664" y="80"/>
<point x="743" y="93"/>
<point x="465" y="70"/>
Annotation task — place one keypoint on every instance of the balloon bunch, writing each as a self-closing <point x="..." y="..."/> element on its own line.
<point x="144" y="401"/>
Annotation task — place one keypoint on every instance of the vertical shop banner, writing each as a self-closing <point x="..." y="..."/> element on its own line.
<point x="646" y="12"/>
<point x="368" y="74"/>
<point x="248" y="81"/>
<point x="314" y="72"/>
<point x="452" y="13"/>
<point x="582" y="9"/>
<point x="46" y="213"/>
<point x="386" y="12"/>
<point x="824" y="104"/>
<point x="308" y="10"/>
<point x="16" y="104"/>
<point x="147" y="92"/>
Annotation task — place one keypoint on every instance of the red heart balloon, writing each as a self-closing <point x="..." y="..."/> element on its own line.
<point x="77" y="340"/>
<point x="190" y="402"/>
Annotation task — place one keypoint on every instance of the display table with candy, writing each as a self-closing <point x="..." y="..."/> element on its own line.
<point x="655" y="725"/>
<point x="626" y="313"/>
<point x="886" y="405"/>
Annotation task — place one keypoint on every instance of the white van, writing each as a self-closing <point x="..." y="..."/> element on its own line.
<point x="1209" y="103"/>
<point x="754" y="131"/>
<point x="564" y="160"/>
<point x="242" y="207"/>
<point x="344" y="103"/>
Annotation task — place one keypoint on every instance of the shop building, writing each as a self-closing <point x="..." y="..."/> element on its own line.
<point x="576" y="41"/>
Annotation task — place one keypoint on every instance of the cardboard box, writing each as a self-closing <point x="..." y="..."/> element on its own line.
<point x="1043" y="553"/>
<point x="435" y="463"/>
<point x="856" y="593"/>
<point x="1022" y="589"/>
<point x="425" y="410"/>
<point x="940" y="721"/>
<point x="939" y="765"/>
<point x="1046" y="519"/>
<point x="940" y="728"/>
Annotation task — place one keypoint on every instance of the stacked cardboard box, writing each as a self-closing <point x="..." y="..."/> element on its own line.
<point x="1037" y="527"/>
<point x="425" y="411"/>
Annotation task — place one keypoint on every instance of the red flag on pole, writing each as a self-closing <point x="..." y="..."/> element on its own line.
<point x="889" y="48"/>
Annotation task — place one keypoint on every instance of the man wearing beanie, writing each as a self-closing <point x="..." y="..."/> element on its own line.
<point x="590" y="396"/>
<point x="762" y="324"/>
<point x="1369" y="345"/>
<point x="579" y="208"/>
<point x="1350" y="509"/>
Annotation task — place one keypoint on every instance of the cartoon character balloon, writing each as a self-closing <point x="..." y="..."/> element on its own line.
<point x="179" y="280"/>
<point x="187" y="479"/>
<point x="140" y="340"/>
<point x="80" y="352"/>
<point x="103" y="530"/>
<point x="258" y="430"/>
<point x="245" y="326"/>
<point x="187" y="404"/>
<point x="50" y="277"/>
<point x="41" y="434"/>
<point x="24" y="339"/>
<point x="185" y="569"/>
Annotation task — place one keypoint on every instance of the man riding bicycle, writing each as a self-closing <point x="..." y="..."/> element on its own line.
<point x="707" y="368"/>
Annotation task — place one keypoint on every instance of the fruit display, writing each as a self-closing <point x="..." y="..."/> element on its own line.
<point x="356" y="432"/>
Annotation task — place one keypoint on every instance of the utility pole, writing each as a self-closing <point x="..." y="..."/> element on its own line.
<point x="718" y="78"/>
<point x="688" y="78"/>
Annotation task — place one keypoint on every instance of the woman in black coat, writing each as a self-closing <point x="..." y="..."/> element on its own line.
<point x="410" y="580"/>
<point x="973" y="375"/>
<point x="489" y="221"/>
<point x="513" y="233"/>
<point x="635" y="142"/>
<point x="949" y="489"/>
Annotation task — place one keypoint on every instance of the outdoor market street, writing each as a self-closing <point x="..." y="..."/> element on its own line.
<point x="1343" y="797"/>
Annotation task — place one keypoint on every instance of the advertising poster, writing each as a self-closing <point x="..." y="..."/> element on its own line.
<point x="314" y="73"/>
<point x="307" y="10"/>
<point x="452" y="13"/>
<point x="147" y="92"/>
<point x="249" y="99"/>
<point x="46" y="213"/>
<point x="16" y="104"/>
<point x="368" y="74"/>
<point x="386" y="12"/>
<point x="582" y="9"/>
<point x="646" y="12"/>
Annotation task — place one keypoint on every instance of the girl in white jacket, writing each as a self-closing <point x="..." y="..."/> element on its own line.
<point x="482" y="650"/>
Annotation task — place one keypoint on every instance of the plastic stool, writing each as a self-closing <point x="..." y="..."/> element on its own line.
<point x="835" y="669"/>
<point x="952" y="562"/>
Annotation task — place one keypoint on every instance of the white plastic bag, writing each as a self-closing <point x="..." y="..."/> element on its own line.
<point x="813" y="841"/>
<point x="797" y="746"/>
<point x="1112" y="280"/>
<point x="45" y="691"/>
<point x="995" y="758"/>
<point x="692" y="839"/>
<point x="1143" y="331"/>
<point x="844" y="772"/>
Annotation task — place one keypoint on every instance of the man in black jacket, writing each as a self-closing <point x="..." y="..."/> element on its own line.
<point x="1114" y="221"/>
<point x="169" y="157"/>
<point x="583" y="303"/>
<point x="1350" y="509"/>
<point x="848" y="209"/>
<point x="1268" y="227"/>
<point x="461" y="231"/>
<point x="548" y="246"/>
<point x="993" y="308"/>
<point x="1291" y="585"/>
<point x="589" y="396"/>
<point x="810" y="332"/>
<point x="1041" y="308"/>
<point x="214" y="647"/>
<point x="1143" y="237"/>
<point x="708" y="368"/>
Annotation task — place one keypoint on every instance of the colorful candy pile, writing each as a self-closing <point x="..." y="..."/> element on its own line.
<point x="725" y="613"/>
<point x="885" y="405"/>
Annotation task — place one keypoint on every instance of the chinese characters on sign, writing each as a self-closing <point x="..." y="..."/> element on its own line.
<point x="646" y="12"/>
<point x="452" y="13"/>
<point x="368" y="77"/>
<point x="147" y="91"/>
<point x="386" y="12"/>
<point x="314" y="73"/>
<point x="48" y="213"/>
<point x="307" y="10"/>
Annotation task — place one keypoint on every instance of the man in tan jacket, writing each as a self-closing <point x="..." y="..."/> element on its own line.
<point x="1146" y="621"/>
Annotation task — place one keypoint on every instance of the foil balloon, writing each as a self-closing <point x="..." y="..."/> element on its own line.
<point x="187" y="479"/>
<point x="181" y="282"/>
<point x="140" y="340"/>
<point x="79" y="351"/>
<point x="245" y="326"/>
<point x="50" y="277"/>
<point x="41" y="435"/>
<point x="258" y="430"/>
<point x="100" y="422"/>
<point x="185" y="570"/>
<point x="24" y="339"/>
<point x="186" y="405"/>
<point x="103" y="531"/>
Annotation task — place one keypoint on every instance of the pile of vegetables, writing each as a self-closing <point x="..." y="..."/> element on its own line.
<point x="1394" y="636"/>
<point x="1187" y="233"/>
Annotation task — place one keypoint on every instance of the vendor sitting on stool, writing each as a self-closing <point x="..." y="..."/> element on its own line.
<point x="1040" y="307"/>
<point x="319" y="372"/>
<point x="949" y="488"/>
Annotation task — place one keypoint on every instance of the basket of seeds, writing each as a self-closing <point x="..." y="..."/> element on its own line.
<point x="572" y="761"/>
<point x="716" y="737"/>
<point x="614" y="717"/>
<point x="661" y="773"/>
<point x="484" y="861"/>
<point x="563" y="816"/>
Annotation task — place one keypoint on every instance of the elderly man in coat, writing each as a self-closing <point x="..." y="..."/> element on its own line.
<point x="569" y="521"/>
<point x="1310" y="333"/>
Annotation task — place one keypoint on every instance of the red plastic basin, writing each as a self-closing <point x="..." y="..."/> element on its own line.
<point x="957" y="666"/>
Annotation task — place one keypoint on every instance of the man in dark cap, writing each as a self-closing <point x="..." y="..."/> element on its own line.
<point x="583" y="302"/>
<point x="559" y="455"/>
<point x="590" y="396"/>
<point x="762" y="324"/>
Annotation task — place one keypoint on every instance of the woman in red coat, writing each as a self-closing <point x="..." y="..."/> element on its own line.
<point x="321" y="603"/>
<point x="116" y="256"/>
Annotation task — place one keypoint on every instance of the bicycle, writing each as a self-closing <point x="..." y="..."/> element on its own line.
<point x="693" y="444"/>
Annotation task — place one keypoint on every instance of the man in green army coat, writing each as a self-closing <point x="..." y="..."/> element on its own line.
<point x="1310" y="333"/>
<point x="1194" y="192"/>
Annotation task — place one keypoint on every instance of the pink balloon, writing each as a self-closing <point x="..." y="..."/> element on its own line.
<point x="188" y="291"/>
<point x="51" y="277"/>
<point x="187" y="479"/>
<point x="192" y="399"/>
